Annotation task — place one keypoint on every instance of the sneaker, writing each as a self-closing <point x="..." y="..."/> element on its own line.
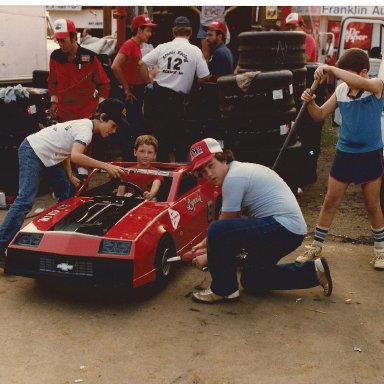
<point x="312" y="252"/>
<point x="324" y="275"/>
<point x="208" y="297"/>
<point x="378" y="261"/>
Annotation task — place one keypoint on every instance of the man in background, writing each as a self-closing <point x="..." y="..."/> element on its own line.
<point x="179" y="63"/>
<point x="125" y="69"/>
<point x="295" y="22"/>
<point x="77" y="82"/>
<point x="221" y="59"/>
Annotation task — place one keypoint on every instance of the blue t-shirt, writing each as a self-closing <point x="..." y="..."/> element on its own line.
<point x="360" y="129"/>
<point x="221" y="61"/>
<point x="263" y="193"/>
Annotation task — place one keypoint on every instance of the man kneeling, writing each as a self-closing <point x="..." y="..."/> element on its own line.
<point x="274" y="228"/>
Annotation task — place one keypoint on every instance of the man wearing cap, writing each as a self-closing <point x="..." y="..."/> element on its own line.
<point x="50" y="152"/>
<point x="274" y="228"/>
<point x="125" y="69"/>
<point x="207" y="14"/>
<point x="295" y="22"/>
<point x="76" y="81"/>
<point x="221" y="60"/>
<point x="179" y="63"/>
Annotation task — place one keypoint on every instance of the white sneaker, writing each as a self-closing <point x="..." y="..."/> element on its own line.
<point x="209" y="297"/>
<point x="378" y="260"/>
<point x="312" y="252"/>
<point x="324" y="275"/>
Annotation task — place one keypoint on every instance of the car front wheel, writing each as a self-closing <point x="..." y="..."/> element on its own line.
<point x="165" y="250"/>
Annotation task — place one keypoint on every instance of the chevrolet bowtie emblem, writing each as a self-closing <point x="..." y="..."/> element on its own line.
<point x="65" y="267"/>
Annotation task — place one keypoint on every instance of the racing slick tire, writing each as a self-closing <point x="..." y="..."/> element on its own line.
<point x="255" y="132"/>
<point x="299" y="82"/>
<point x="271" y="50"/>
<point x="267" y="92"/>
<point x="165" y="250"/>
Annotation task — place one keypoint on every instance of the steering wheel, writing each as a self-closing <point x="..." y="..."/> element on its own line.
<point x="132" y="188"/>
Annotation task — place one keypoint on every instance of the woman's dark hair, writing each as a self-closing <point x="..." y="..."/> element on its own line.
<point x="354" y="59"/>
<point x="227" y="156"/>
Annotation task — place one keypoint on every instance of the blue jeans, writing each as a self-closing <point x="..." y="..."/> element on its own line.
<point x="266" y="242"/>
<point x="135" y="118"/>
<point x="31" y="172"/>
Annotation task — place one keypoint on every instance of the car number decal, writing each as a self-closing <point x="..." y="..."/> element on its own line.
<point x="175" y="217"/>
<point x="48" y="216"/>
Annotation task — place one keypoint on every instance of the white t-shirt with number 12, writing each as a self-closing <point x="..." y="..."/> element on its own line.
<point x="178" y="62"/>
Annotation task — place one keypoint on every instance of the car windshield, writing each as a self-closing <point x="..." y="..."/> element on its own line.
<point x="101" y="184"/>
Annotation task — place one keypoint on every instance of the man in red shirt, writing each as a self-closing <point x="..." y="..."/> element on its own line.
<point x="77" y="82"/>
<point x="125" y="69"/>
<point x="295" y="22"/>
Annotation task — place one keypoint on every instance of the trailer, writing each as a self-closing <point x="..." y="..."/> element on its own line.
<point x="23" y="43"/>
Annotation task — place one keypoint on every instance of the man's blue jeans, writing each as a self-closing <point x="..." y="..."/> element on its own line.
<point x="31" y="172"/>
<point x="266" y="242"/>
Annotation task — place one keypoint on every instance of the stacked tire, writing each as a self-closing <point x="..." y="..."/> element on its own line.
<point x="258" y="118"/>
<point x="309" y="131"/>
<point x="18" y="119"/>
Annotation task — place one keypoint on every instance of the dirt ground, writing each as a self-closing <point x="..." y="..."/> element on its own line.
<point x="62" y="335"/>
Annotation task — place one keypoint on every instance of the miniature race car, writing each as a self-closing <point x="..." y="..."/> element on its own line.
<point x="101" y="237"/>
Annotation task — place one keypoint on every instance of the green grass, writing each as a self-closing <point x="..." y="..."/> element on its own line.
<point x="329" y="136"/>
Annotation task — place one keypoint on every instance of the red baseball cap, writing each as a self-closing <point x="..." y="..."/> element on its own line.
<point x="142" y="21"/>
<point x="294" y="18"/>
<point x="62" y="28"/>
<point x="203" y="151"/>
<point x="218" y="25"/>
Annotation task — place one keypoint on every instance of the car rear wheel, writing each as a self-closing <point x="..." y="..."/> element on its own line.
<point x="165" y="250"/>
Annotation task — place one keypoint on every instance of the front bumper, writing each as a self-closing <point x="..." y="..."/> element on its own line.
<point x="49" y="265"/>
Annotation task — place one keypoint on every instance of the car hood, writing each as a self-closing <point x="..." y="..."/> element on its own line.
<point x="109" y="217"/>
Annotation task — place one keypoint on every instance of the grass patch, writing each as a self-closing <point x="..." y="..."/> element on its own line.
<point x="329" y="136"/>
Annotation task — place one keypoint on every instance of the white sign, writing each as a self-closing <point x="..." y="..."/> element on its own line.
<point x="352" y="10"/>
<point x="175" y="217"/>
<point x="63" y="7"/>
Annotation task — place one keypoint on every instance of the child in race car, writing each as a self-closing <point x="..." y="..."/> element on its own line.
<point x="145" y="151"/>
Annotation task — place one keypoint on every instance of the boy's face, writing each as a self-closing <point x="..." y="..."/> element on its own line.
<point x="144" y="34"/>
<point x="145" y="154"/>
<point x="214" y="171"/>
<point x="107" y="128"/>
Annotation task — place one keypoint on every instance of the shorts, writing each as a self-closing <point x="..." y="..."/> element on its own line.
<point x="358" y="168"/>
<point x="202" y="33"/>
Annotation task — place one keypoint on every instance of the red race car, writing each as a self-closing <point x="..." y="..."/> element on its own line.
<point x="101" y="237"/>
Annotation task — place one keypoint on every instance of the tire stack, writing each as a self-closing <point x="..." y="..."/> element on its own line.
<point x="258" y="119"/>
<point x="309" y="131"/>
<point x="203" y="117"/>
<point x="18" y="119"/>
